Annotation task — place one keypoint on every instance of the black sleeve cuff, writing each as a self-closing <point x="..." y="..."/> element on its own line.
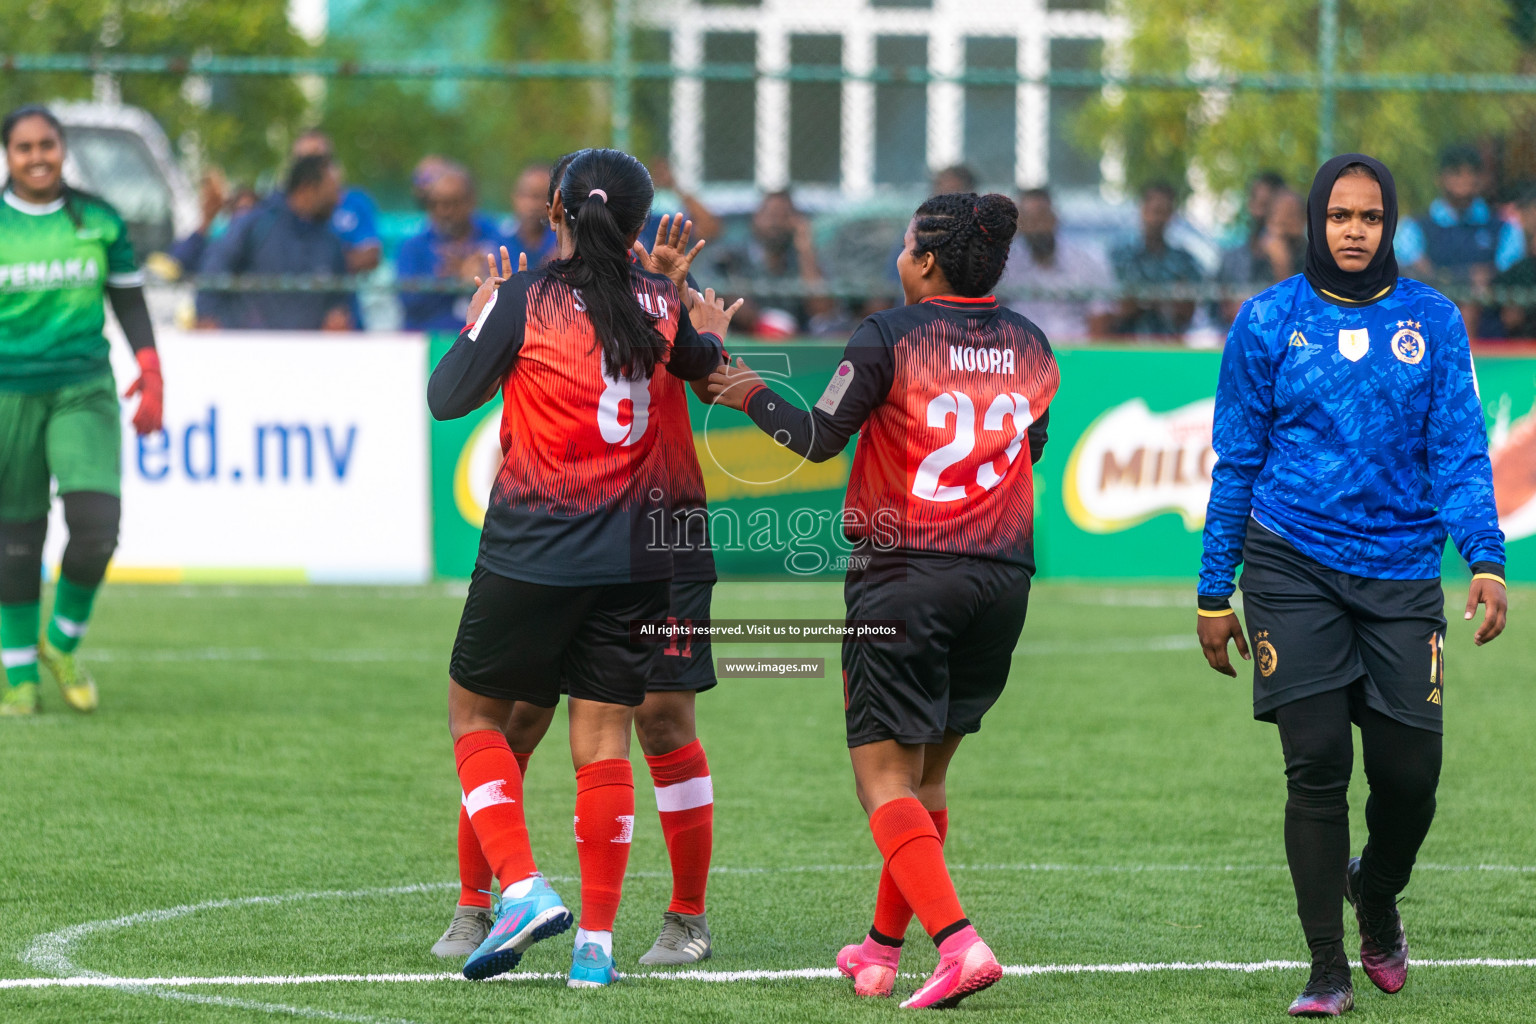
<point x="760" y="396"/>
<point x="1491" y="568"/>
<point x="1214" y="604"/>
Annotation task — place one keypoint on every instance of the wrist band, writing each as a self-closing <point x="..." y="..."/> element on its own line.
<point x="1490" y="576"/>
<point x="753" y="394"/>
<point x="1214" y="615"/>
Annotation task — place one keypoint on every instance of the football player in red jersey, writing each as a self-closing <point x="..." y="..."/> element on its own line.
<point x="577" y="350"/>
<point x="665" y="723"/>
<point x="950" y="393"/>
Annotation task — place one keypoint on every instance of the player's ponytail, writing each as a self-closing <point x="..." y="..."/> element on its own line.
<point x="607" y="196"/>
<point x="969" y="236"/>
<point x="8" y="125"/>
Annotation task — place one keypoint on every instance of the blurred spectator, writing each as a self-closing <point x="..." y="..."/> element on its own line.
<point x="289" y="233"/>
<point x="424" y="174"/>
<point x="356" y="219"/>
<point x="1042" y="258"/>
<point x="1518" y="320"/>
<point x="955" y="178"/>
<point x="946" y="180"/>
<point x="1273" y="253"/>
<point x="1152" y="261"/>
<point x="1249" y="223"/>
<point x="1455" y="242"/>
<point x="452" y="248"/>
<point x="1458" y="241"/>
<point x="218" y="208"/>
<point x="781" y="251"/>
<point x="528" y="230"/>
<point x="670" y="198"/>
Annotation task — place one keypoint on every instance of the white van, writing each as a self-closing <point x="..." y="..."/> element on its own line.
<point x="121" y="154"/>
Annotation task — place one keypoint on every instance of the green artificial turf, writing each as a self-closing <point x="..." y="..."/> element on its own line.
<point x="1120" y="805"/>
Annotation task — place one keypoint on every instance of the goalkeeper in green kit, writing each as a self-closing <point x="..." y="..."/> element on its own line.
<point x="61" y="252"/>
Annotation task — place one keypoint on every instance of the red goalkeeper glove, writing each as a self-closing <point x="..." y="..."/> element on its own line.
<point x="151" y="391"/>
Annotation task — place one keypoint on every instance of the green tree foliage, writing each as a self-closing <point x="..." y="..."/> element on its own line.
<point x="383" y="127"/>
<point x="241" y="122"/>
<point x="1230" y="136"/>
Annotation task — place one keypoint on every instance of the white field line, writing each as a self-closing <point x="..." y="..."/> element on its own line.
<point x="257" y="654"/>
<point x="707" y="977"/>
<point x="1086" y="869"/>
<point x="371" y="655"/>
<point x="275" y="1009"/>
<point x="1125" y="597"/>
<point x="1109" y="645"/>
<point x="285" y="592"/>
<point x="52" y="952"/>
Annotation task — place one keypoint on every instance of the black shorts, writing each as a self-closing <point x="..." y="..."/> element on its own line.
<point x="532" y="642"/>
<point x="1314" y="629"/>
<point x="963" y="617"/>
<point x="686" y="664"/>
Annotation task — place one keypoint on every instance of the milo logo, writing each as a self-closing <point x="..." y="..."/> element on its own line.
<point x="1132" y="464"/>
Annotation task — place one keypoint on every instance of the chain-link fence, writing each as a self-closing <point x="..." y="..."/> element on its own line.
<point x="800" y="137"/>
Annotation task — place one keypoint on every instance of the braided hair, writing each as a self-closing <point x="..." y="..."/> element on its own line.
<point x="8" y="126"/>
<point x="969" y="237"/>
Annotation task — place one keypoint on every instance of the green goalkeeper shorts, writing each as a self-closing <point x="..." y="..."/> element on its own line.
<point x="73" y="434"/>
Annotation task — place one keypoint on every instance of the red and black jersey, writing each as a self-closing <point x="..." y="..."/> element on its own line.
<point x="952" y="397"/>
<point x="693" y="558"/>
<point x="583" y="494"/>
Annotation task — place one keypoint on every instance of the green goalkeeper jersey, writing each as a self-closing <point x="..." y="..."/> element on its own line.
<point x="55" y="266"/>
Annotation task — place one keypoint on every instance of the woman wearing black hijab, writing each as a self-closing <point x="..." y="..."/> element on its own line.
<point x="1350" y="441"/>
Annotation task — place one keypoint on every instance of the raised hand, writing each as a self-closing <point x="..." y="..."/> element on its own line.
<point x="506" y="266"/>
<point x="486" y="287"/>
<point x="709" y="314"/>
<point x="669" y="254"/>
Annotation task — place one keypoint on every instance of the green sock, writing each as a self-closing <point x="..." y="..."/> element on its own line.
<point x="18" y="641"/>
<point x="71" y="614"/>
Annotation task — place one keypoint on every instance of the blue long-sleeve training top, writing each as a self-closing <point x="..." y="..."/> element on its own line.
<point x="1355" y="433"/>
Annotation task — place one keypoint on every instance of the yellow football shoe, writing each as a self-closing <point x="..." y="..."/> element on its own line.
<point x="75" y="683"/>
<point x="20" y="699"/>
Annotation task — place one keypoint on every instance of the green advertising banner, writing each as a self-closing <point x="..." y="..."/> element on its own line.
<point x="1122" y="487"/>
<point x="1507" y="386"/>
<point x="465" y="454"/>
<point x="1120" y="492"/>
<point x="772" y="513"/>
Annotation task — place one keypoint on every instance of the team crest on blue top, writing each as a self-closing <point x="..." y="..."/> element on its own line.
<point x="1353" y="343"/>
<point x="1408" y="343"/>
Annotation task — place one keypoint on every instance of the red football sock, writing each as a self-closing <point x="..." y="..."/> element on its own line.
<point x="493" y="801"/>
<point x="474" y="871"/>
<point x="685" y="800"/>
<point x="909" y="842"/>
<point x="605" y="820"/>
<point x="892" y="914"/>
